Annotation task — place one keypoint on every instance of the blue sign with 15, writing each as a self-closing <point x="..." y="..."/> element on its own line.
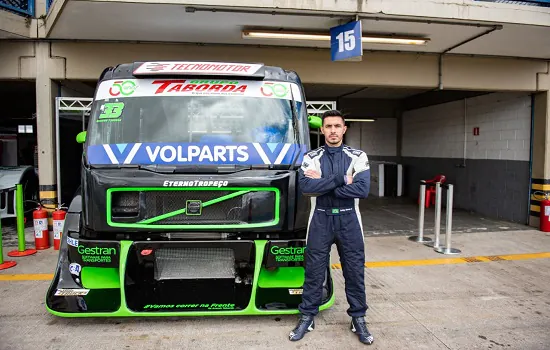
<point x="345" y="42"/>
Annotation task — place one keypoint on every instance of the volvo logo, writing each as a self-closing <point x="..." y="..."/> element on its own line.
<point x="193" y="207"/>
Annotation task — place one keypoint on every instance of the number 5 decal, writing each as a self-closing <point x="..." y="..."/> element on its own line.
<point x="346" y="41"/>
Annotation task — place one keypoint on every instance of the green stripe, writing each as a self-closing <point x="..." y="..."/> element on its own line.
<point x="181" y="211"/>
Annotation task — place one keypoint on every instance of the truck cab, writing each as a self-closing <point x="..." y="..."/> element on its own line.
<point x="189" y="201"/>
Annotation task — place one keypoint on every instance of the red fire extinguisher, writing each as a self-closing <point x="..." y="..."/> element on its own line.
<point x="41" y="233"/>
<point x="545" y="215"/>
<point x="58" y="217"/>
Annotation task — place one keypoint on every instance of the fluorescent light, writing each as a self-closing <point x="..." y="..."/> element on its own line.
<point x="283" y="35"/>
<point x="397" y="41"/>
<point x="287" y="35"/>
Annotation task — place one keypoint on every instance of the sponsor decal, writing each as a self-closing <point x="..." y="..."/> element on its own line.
<point x="295" y="291"/>
<point x="71" y="292"/>
<point x="195" y="183"/>
<point x="122" y="87"/>
<point x="197" y="67"/>
<point x="75" y="269"/>
<point x="169" y="86"/>
<point x="195" y="153"/>
<point x="96" y="254"/>
<point x="278" y="89"/>
<point x="288" y="254"/>
<point x="131" y="88"/>
<point x="191" y="306"/>
<point x="72" y="242"/>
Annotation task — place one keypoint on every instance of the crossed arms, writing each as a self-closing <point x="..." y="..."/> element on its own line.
<point x="313" y="185"/>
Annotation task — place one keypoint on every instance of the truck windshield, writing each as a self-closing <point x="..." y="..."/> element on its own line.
<point x="149" y="111"/>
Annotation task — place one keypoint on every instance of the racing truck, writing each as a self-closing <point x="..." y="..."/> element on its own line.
<point x="188" y="202"/>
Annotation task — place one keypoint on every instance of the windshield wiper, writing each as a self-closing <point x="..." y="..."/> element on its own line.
<point x="195" y="168"/>
<point x="295" y="126"/>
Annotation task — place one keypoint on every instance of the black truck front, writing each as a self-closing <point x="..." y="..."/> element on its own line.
<point x="189" y="202"/>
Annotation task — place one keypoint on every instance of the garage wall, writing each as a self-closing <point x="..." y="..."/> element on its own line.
<point x="378" y="139"/>
<point x="493" y="179"/>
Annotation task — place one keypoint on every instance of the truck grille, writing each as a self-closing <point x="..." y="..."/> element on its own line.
<point x="246" y="208"/>
<point x="194" y="263"/>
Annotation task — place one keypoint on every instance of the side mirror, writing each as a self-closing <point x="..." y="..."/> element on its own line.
<point x="314" y="121"/>
<point x="81" y="137"/>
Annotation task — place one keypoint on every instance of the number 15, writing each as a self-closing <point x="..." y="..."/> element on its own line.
<point x="346" y="41"/>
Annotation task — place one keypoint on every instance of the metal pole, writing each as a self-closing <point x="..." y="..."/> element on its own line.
<point x="448" y="225"/>
<point x="20" y="217"/>
<point x="420" y="238"/>
<point x="437" y="222"/>
<point x="20" y="214"/>
<point x="57" y="147"/>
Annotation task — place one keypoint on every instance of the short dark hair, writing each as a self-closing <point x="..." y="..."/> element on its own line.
<point x="333" y="113"/>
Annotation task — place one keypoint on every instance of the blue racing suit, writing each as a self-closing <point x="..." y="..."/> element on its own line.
<point x="335" y="218"/>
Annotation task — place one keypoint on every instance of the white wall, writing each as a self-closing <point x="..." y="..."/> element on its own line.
<point x="377" y="138"/>
<point x="504" y="121"/>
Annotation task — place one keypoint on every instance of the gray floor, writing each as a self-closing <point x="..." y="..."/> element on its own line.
<point x="483" y="305"/>
<point x="391" y="216"/>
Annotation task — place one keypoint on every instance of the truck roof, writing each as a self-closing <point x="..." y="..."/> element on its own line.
<point x="198" y="70"/>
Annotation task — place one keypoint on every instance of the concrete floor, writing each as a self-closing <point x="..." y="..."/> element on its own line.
<point x="475" y="305"/>
<point x="399" y="216"/>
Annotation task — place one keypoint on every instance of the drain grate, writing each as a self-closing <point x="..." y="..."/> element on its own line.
<point x="194" y="263"/>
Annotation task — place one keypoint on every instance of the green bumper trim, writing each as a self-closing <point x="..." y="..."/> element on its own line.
<point x="251" y="309"/>
<point x="100" y="277"/>
<point x="282" y="277"/>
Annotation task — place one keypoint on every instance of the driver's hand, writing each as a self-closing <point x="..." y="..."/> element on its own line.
<point x="312" y="174"/>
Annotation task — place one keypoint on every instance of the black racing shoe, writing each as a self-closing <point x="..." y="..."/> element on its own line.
<point x="305" y="324"/>
<point x="359" y="327"/>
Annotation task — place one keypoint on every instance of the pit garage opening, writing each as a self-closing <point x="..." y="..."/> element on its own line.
<point x="18" y="151"/>
<point x="479" y="140"/>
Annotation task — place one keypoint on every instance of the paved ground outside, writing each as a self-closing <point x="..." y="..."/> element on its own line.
<point x="494" y="295"/>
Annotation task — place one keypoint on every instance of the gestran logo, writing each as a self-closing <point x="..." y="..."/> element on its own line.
<point x="96" y="254"/>
<point x="275" y="250"/>
<point x="288" y="254"/>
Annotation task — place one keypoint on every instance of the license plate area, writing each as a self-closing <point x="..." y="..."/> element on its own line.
<point x="189" y="276"/>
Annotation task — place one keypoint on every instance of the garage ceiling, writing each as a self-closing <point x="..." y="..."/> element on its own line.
<point x="332" y="92"/>
<point x="172" y="23"/>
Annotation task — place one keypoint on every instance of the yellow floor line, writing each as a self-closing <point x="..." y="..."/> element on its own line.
<point x="27" y="277"/>
<point x="450" y="261"/>
<point x="371" y="264"/>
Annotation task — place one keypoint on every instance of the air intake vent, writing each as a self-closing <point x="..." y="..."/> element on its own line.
<point x="194" y="263"/>
<point x="125" y="204"/>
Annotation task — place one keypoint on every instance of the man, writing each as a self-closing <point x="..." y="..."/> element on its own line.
<point x="336" y="176"/>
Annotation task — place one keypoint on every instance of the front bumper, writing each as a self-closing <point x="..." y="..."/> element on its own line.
<point x="179" y="278"/>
